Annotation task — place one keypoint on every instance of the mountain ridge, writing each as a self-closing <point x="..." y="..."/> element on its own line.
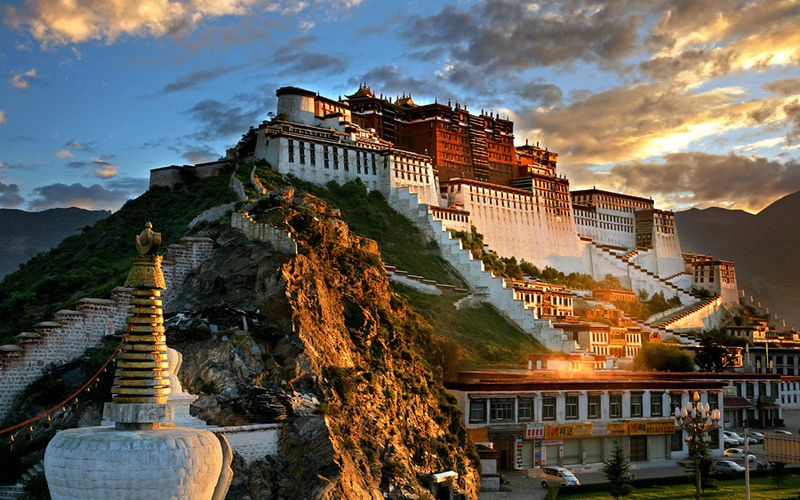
<point x="762" y="245"/>
<point x="29" y="233"/>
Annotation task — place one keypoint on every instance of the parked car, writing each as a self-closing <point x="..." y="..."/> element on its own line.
<point x="557" y="476"/>
<point x="781" y="431"/>
<point x="728" y="442"/>
<point x="756" y="437"/>
<point x="738" y="453"/>
<point x="728" y="466"/>
<point x="732" y="435"/>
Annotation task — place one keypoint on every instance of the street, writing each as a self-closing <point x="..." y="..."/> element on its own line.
<point x="528" y="488"/>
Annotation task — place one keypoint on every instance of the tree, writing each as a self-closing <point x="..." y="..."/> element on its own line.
<point x="712" y="357"/>
<point x="662" y="357"/>
<point x="616" y="470"/>
<point x="777" y="473"/>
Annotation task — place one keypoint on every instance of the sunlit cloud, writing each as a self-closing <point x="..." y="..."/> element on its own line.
<point x="2" y="116"/>
<point x="702" y="179"/>
<point x="23" y="80"/>
<point x="64" y="153"/>
<point x="636" y="122"/>
<point x="56" y="22"/>
<point x="764" y="143"/>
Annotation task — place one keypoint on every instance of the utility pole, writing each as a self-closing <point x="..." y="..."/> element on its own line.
<point x="746" y="463"/>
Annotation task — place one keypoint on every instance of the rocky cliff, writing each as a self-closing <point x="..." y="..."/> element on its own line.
<point x="330" y="351"/>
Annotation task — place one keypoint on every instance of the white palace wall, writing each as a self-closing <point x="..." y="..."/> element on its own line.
<point x="669" y="260"/>
<point x="513" y="224"/>
<point x="377" y="169"/>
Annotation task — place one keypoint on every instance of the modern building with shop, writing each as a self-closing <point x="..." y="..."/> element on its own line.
<point x="535" y="418"/>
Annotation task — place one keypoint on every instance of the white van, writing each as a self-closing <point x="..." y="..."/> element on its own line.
<point x="557" y="476"/>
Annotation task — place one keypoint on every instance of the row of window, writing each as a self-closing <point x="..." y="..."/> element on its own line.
<point x="502" y="409"/>
<point x="363" y="159"/>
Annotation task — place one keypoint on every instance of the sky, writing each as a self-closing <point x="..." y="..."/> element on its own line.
<point x="694" y="103"/>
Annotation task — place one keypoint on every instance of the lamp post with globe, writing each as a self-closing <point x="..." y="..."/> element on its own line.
<point x="698" y="420"/>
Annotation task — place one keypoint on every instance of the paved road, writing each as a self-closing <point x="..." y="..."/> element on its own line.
<point x="527" y="488"/>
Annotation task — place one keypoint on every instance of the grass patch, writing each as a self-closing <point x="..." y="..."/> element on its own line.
<point x="760" y="489"/>
<point x="97" y="260"/>
<point x="473" y="337"/>
<point x="400" y="241"/>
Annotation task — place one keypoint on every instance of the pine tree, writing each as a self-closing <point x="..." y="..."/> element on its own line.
<point x="616" y="470"/>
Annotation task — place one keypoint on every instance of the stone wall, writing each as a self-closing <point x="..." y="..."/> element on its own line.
<point x="237" y="187"/>
<point x="181" y="259"/>
<point x="71" y="332"/>
<point x="706" y="315"/>
<point x="280" y="239"/>
<point x="252" y="442"/>
<point x="59" y="341"/>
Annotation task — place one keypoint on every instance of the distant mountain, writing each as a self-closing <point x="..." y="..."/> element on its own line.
<point x="764" y="246"/>
<point x="25" y="234"/>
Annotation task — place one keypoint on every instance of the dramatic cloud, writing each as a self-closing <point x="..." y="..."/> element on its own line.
<point x="200" y="155"/>
<point x="785" y="87"/>
<point x="101" y="166"/>
<point x="221" y="120"/>
<point x="77" y="195"/>
<point x="23" y="80"/>
<point x="9" y="195"/>
<point x="198" y="78"/>
<point x="56" y="22"/>
<point x="731" y="180"/>
<point x="300" y="60"/>
<point x="506" y="34"/>
<point x="133" y="185"/>
<point x="640" y="121"/>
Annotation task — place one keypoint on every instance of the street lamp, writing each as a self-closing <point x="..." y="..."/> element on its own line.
<point x="698" y="420"/>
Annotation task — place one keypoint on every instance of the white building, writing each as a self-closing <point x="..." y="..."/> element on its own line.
<point x="536" y="418"/>
<point x="314" y="139"/>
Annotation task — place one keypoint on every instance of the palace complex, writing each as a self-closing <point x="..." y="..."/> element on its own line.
<point x="441" y="165"/>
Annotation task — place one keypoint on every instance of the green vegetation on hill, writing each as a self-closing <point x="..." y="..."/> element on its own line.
<point x="92" y="263"/>
<point x="508" y="267"/>
<point x="401" y="243"/>
<point x="663" y="357"/>
<point x="472" y="337"/>
<point x="644" y="307"/>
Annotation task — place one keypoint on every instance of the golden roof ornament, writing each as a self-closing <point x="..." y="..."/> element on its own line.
<point x="146" y="272"/>
<point x="147" y="242"/>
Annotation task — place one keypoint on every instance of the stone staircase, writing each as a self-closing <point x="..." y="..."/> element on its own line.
<point x="677" y="316"/>
<point x="773" y="320"/>
<point x="15" y="491"/>
<point x="12" y="491"/>
<point x="635" y="271"/>
<point x="433" y="285"/>
<point x="481" y="281"/>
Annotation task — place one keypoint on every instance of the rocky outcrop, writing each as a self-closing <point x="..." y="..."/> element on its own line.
<point x="331" y="353"/>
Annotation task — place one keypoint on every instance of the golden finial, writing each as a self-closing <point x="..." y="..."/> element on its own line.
<point x="147" y="242"/>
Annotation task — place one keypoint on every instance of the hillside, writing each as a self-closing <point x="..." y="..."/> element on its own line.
<point x="97" y="260"/>
<point x="763" y="246"/>
<point x="327" y="327"/>
<point x="28" y="233"/>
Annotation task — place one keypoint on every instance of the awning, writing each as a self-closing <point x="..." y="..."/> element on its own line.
<point x="736" y="402"/>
